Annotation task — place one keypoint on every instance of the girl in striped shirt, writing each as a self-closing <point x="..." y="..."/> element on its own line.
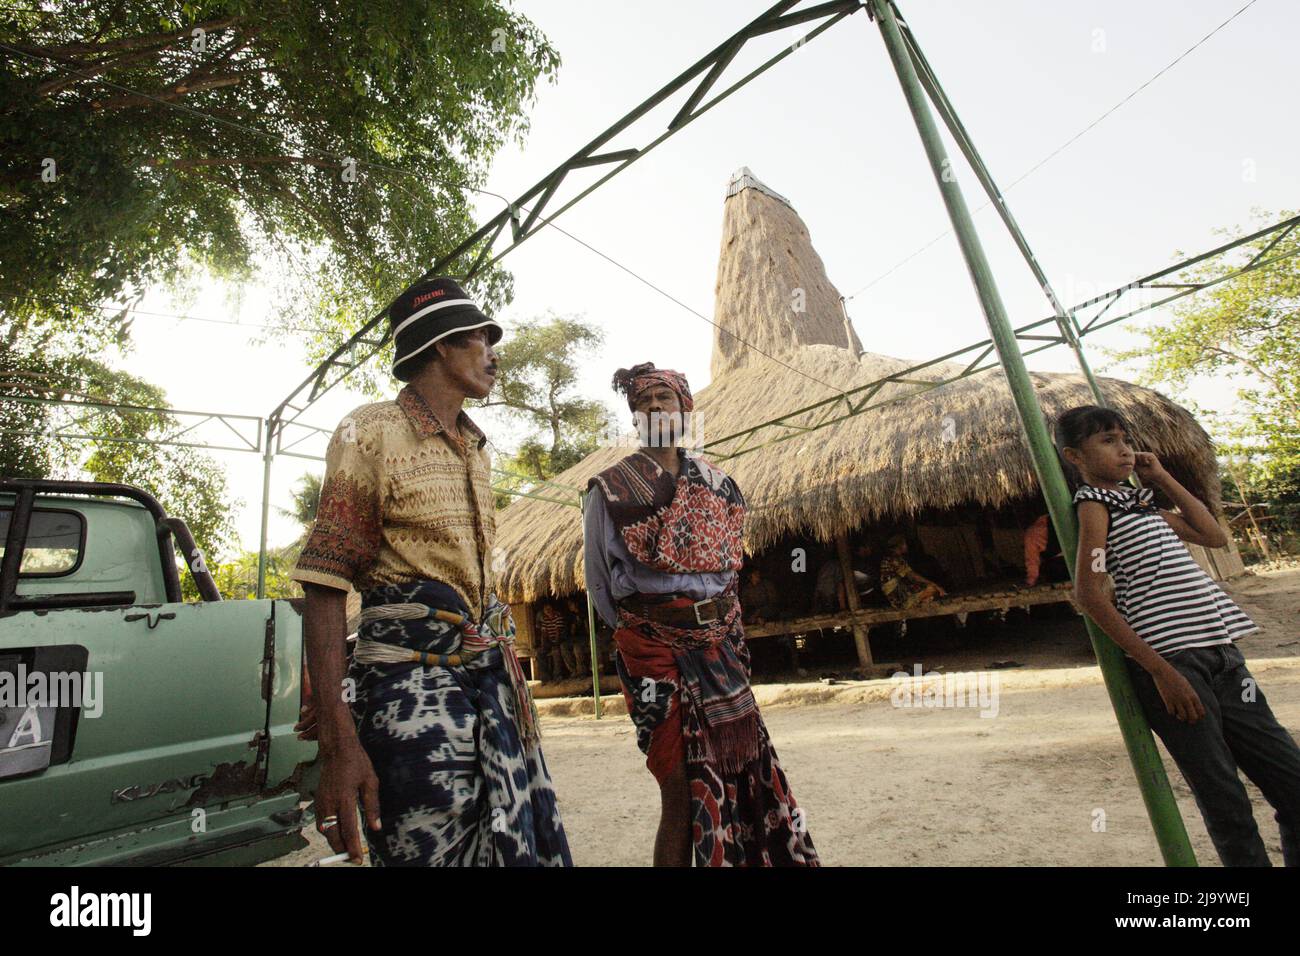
<point x="1178" y="628"/>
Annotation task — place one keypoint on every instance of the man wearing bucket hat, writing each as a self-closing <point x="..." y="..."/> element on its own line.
<point x="434" y="734"/>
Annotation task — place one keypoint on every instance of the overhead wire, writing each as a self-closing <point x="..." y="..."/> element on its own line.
<point x="544" y="219"/>
<point x="550" y="222"/>
<point x="1057" y="151"/>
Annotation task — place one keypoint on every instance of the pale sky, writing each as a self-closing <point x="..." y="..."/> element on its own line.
<point x="1198" y="148"/>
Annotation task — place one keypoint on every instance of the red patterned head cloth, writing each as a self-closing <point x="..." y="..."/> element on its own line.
<point x="635" y="380"/>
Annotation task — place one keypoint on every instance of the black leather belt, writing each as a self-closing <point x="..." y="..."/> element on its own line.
<point x="695" y="614"/>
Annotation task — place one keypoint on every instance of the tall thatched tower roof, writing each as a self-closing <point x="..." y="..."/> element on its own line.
<point x="954" y="446"/>
<point x="772" y="290"/>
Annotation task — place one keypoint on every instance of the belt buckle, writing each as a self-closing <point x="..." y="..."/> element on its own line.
<point x="700" y="620"/>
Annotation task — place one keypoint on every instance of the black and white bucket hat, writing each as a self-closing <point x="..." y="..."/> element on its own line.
<point x="429" y="311"/>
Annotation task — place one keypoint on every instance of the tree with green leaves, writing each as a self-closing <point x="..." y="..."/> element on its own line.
<point x="187" y="482"/>
<point x="537" y="370"/>
<point x="336" y="146"/>
<point x="341" y="140"/>
<point x="1247" y="329"/>
<point x="306" y="499"/>
<point x="236" y="576"/>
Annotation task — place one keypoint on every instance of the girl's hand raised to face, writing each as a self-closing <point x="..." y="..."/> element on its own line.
<point x="1148" y="467"/>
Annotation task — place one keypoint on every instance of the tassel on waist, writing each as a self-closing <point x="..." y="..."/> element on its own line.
<point x="497" y="631"/>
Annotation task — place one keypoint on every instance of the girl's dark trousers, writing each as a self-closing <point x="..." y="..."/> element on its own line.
<point x="1238" y="731"/>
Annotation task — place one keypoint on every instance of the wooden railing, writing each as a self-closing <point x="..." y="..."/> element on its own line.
<point x="952" y="604"/>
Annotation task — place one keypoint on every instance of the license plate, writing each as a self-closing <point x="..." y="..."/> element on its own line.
<point x="26" y="739"/>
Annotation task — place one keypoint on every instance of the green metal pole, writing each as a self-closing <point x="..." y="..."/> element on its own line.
<point x="266" y="511"/>
<point x="591" y="619"/>
<point x="1065" y="320"/>
<point x="1162" y="809"/>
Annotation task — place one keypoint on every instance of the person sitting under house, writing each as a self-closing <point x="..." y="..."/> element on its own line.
<point x="901" y="585"/>
<point x="759" y="598"/>
<point x="1043" y="556"/>
<point x="760" y="602"/>
<point x="828" y="593"/>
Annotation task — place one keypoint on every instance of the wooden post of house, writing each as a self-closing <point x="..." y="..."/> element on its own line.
<point x="860" y="631"/>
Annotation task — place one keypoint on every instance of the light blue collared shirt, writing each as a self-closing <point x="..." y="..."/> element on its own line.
<point x="612" y="573"/>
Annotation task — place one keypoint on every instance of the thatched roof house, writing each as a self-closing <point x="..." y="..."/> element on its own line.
<point x="957" y="448"/>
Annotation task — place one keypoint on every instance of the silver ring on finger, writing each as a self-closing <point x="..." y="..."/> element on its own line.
<point x="329" y="822"/>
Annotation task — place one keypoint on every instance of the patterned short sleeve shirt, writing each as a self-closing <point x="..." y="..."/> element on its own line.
<point x="403" y="499"/>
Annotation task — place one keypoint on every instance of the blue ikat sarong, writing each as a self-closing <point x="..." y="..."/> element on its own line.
<point x="457" y="787"/>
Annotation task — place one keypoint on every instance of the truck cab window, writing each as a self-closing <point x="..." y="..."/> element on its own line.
<point x="54" y="542"/>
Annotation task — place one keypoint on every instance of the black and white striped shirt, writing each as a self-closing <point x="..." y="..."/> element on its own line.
<point x="1159" y="589"/>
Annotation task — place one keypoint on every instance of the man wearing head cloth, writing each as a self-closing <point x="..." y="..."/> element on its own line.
<point x="663" y="546"/>
<point x="434" y="733"/>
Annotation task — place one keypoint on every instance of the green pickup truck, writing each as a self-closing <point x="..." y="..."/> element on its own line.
<point x="137" y="728"/>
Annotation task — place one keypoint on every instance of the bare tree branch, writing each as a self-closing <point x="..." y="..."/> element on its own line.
<point x="196" y="162"/>
<point x="88" y="71"/>
<point x="150" y="41"/>
<point x="178" y="91"/>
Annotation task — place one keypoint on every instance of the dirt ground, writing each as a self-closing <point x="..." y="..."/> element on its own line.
<point x="1044" y="781"/>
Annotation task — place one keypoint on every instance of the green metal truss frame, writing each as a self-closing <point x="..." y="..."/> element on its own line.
<point x="918" y="81"/>
<point x="253" y="444"/>
<point x="801" y="421"/>
<point x="859" y="399"/>
<point x="524" y="222"/>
